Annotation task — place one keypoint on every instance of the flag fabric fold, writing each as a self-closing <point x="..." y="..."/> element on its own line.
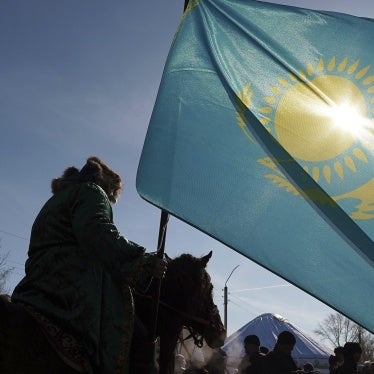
<point x="262" y="136"/>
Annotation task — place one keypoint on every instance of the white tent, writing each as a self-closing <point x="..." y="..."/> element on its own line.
<point x="267" y="327"/>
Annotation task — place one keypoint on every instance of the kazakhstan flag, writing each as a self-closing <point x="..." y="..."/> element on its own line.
<point x="262" y="136"/>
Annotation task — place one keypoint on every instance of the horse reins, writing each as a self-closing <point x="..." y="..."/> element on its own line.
<point x="177" y="311"/>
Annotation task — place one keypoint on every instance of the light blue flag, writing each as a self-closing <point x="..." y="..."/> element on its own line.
<point x="262" y="136"/>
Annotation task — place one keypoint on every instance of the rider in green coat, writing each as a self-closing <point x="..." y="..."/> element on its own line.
<point x="80" y="272"/>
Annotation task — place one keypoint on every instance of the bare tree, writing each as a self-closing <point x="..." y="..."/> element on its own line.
<point x="338" y="330"/>
<point x="5" y="270"/>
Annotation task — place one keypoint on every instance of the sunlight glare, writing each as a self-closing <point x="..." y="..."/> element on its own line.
<point x="348" y="119"/>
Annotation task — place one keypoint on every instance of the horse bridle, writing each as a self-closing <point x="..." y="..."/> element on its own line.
<point x="197" y="338"/>
<point x="195" y="335"/>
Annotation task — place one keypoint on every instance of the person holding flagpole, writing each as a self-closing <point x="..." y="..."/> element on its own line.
<point x="80" y="272"/>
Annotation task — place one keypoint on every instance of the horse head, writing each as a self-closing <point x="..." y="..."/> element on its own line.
<point x="200" y="314"/>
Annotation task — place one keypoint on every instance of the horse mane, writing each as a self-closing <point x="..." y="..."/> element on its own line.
<point x="186" y="262"/>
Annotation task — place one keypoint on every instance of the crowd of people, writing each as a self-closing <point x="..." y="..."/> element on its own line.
<point x="260" y="360"/>
<point x="280" y="361"/>
<point x="345" y="360"/>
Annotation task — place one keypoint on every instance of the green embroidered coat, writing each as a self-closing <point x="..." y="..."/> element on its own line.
<point x="79" y="272"/>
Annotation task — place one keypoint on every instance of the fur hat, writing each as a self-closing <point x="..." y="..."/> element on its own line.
<point x="95" y="171"/>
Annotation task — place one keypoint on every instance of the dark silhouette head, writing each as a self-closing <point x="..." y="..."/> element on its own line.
<point x="95" y="171"/>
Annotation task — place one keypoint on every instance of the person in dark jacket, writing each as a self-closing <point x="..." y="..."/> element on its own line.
<point x="352" y="354"/>
<point x="335" y="361"/>
<point x="279" y="360"/>
<point x="253" y="361"/>
<point x="80" y="272"/>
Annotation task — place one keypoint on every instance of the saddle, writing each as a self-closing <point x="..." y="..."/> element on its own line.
<point x="22" y="327"/>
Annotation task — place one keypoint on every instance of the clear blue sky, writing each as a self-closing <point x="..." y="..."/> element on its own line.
<point x="79" y="78"/>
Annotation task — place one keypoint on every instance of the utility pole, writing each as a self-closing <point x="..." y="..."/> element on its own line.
<point x="225" y="301"/>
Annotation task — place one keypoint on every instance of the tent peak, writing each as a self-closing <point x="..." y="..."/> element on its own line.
<point x="272" y="316"/>
<point x="267" y="327"/>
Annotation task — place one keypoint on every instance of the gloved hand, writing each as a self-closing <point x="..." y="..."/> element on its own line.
<point x="155" y="265"/>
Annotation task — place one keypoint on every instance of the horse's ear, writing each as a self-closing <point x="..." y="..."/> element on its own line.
<point x="205" y="259"/>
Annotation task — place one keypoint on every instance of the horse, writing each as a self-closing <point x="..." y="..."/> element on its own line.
<point x="186" y="300"/>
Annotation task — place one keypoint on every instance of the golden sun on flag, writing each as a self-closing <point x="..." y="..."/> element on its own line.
<point x="323" y="119"/>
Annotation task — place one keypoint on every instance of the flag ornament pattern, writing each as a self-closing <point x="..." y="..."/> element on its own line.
<point x="262" y="136"/>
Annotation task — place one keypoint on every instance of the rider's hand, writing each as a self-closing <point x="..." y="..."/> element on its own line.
<point x="160" y="268"/>
<point x="155" y="266"/>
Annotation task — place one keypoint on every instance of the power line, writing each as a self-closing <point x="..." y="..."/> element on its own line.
<point x="14" y="235"/>
<point x="239" y="305"/>
<point x="14" y="272"/>
<point x="241" y="300"/>
<point x="15" y="262"/>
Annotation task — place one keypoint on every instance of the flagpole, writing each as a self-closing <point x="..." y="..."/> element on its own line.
<point x="160" y="253"/>
<point x="161" y="245"/>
